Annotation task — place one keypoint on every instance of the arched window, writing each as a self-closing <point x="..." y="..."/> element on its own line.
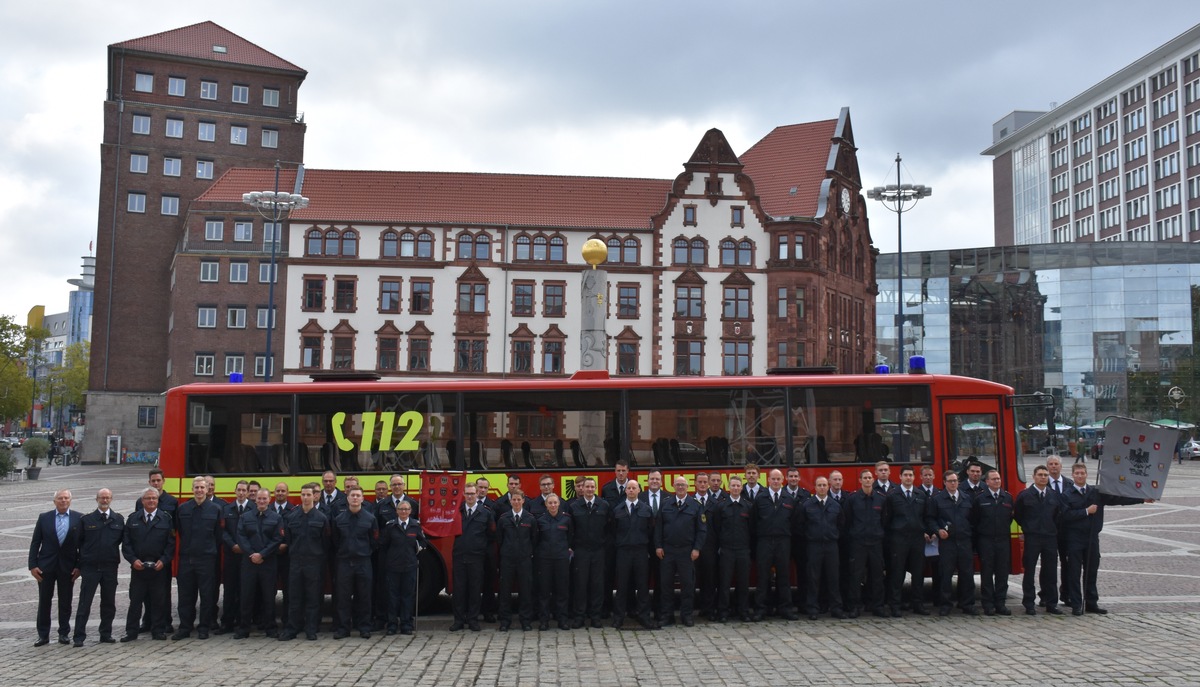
<point x="522" y="250"/>
<point x="630" y="254"/>
<point x="314" y="242"/>
<point x="679" y="251"/>
<point x="558" y="249"/>
<point x="483" y="247"/>
<point x="390" y="244"/>
<point x="728" y="252"/>
<point x="407" y="244"/>
<point x="466" y="246"/>
<point x="332" y="239"/>
<point x="539" y="248"/>
<point x="614" y="250"/>
<point x="350" y="243"/>
<point x="425" y="246"/>
<point x="745" y="253"/>
<point x="699" y="252"/>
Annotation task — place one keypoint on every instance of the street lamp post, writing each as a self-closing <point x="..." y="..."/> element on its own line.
<point x="899" y="198"/>
<point x="277" y="205"/>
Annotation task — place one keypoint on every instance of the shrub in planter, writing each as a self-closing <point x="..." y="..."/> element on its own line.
<point x="35" y="449"/>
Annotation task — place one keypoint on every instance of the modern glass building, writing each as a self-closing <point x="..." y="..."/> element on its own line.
<point x="1107" y="328"/>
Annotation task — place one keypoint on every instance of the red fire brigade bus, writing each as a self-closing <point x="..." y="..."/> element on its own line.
<point x="580" y="426"/>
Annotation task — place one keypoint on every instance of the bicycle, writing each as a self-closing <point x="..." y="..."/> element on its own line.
<point x="67" y="458"/>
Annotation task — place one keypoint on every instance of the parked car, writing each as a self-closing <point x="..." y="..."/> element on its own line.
<point x="12" y="442"/>
<point x="1190" y="450"/>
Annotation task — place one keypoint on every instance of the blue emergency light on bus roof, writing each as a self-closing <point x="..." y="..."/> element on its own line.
<point x="916" y="365"/>
<point x="235" y="377"/>
<point x="882" y="369"/>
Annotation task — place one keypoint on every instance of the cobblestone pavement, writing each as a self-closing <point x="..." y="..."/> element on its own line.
<point x="1149" y="580"/>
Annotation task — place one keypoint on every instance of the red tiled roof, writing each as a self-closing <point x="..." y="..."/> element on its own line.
<point x="197" y="41"/>
<point x="457" y="197"/>
<point x="791" y="157"/>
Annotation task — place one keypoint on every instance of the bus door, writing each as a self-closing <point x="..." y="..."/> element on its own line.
<point x="978" y="430"/>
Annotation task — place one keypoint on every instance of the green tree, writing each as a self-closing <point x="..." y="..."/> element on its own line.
<point x="74" y="374"/>
<point x="36" y="449"/>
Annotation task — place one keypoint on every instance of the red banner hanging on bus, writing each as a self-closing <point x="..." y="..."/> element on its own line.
<point x="441" y="497"/>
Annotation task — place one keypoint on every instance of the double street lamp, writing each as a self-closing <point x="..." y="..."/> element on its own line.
<point x="899" y="198"/>
<point x="273" y="206"/>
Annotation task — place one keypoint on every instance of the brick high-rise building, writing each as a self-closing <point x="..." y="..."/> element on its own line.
<point x="183" y="106"/>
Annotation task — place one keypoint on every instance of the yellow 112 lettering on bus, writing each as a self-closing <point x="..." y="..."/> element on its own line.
<point x="411" y="420"/>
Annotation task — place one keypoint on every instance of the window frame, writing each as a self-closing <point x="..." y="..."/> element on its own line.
<point x="205" y="364"/>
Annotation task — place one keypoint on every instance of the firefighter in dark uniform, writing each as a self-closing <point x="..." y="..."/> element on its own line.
<point x="167" y="503"/>
<point x="679" y="535"/>
<point x="799" y="550"/>
<point x="735" y="523"/>
<point x="614" y="493"/>
<point x="1083" y="518"/>
<point x="907" y="534"/>
<point x="402" y="540"/>
<point x="590" y="519"/>
<point x="864" y="527"/>
<point x="385" y="508"/>
<point x="517" y="531"/>
<point x="198" y="529"/>
<point x="282" y="507"/>
<point x="259" y="534"/>
<point x="707" y="566"/>
<point x="633" y="534"/>
<point x="100" y="537"/>
<point x="231" y="571"/>
<point x="993" y="542"/>
<point x="148" y="543"/>
<point x="491" y="559"/>
<point x="775" y="521"/>
<point x="355" y="536"/>
<point x="306" y="533"/>
<point x="1036" y="510"/>
<point x="552" y="560"/>
<point x="469" y="558"/>
<point x="950" y="514"/>
<point x="821" y="518"/>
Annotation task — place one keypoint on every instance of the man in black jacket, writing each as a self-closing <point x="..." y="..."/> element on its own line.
<point x="633" y="533"/>
<point x="864" y="530"/>
<point x="821" y="519"/>
<point x="993" y="541"/>
<point x="231" y="570"/>
<point x="679" y="535"/>
<point x="552" y="558"/>
<point x="469" y="556"/>
<point x="259" y="535"/>
<point x="907" y="534"/>
<point x="306" y="532"/>
<point x="99" y="556"/>
<point x="402" y="540"/>
<point x="198" y="529"/>
<point x="518" y="537"/>
<point x="1036" y="510"/>
<point x="734" y="528"/>
<point x="951" y="512"/>
<point x="1083" y="518"/>
<point x="148" y="543"/>
<point x="590" y="519"/>
<point x="775" y="517"/>
<point x="355" y="536"/>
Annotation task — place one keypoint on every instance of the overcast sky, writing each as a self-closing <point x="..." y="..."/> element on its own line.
<point x="618" y="88"/>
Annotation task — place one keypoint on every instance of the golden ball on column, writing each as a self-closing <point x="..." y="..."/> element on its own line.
<point x="595" y="252"/>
